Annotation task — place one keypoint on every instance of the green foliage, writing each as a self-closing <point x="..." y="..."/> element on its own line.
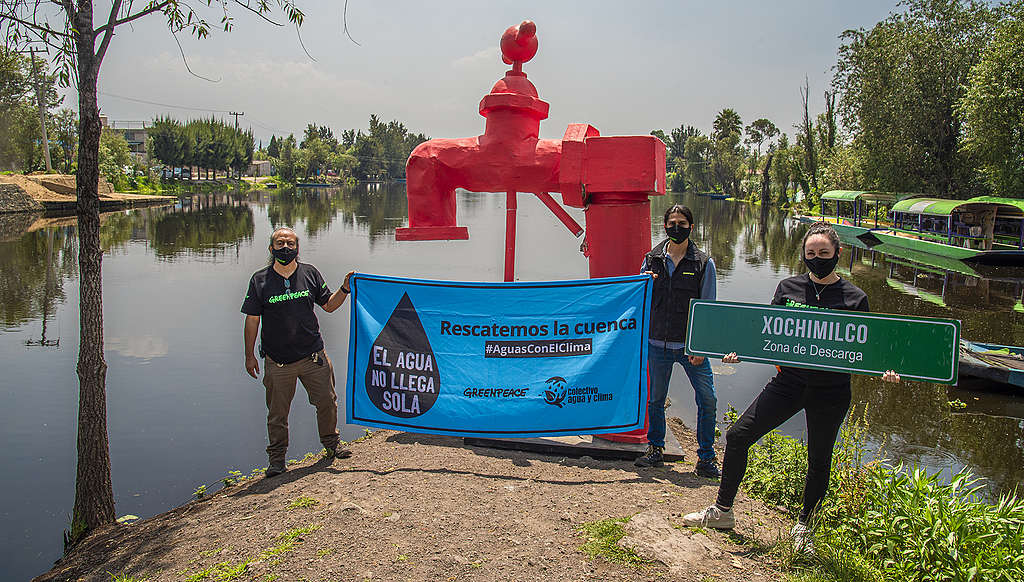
<point x="287" y="165"/>
<point x="901" y="82"/>
<point x="727" y="123"/>
<point x="201" y="143"/>
<point x="885" y="522"/>
<point x="123" y="577"/>
<point x="200" y="492"/>
<point x="384" y="149"/>
<point x="303" y="502"/>
<point x="64" y="138"/>
<point x="993" y="107"/>
<point x="603" y="541"/>
<point x="296" y="534"/>
<point x="115" y="159"/>
<point x="20" y="140"/>
<point x="232" y="478"/>
<point x="698" y="155"/>
<point x="220" y="572"/>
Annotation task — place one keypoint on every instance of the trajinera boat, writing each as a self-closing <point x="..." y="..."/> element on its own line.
<point x="853" y="210"/>
<point x="996" y="363"/>
<point x="982" y="230"/>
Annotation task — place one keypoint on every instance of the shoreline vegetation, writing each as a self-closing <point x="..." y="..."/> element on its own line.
<point x="421" y="507"/>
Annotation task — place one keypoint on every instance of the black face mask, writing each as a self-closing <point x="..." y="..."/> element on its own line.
<point x="676" y="233"/>
<point x="822" y="267"/>
<point x="285" y="255"/>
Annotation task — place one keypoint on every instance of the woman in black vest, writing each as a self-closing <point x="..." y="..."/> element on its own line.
<point x="824" y="396"/>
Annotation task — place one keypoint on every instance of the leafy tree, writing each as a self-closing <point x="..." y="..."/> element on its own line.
<point x="167" y="141"/>
<point x="348" y="138"/>
<point x="79" y="49"/>
<point x="698" y="155"/>
<point x="287" y="164"/>
<point x="316" y="158"/>
<point x="727" y="157"/>
<point x="993" y="107"/>
<point x="274" y="149"/>
<point x="114" y="157"/>
<point x="758" y="132"/>
<point x="786" y="169"/>
<point x="66" y="135"/>
<point x="20" y="144"/>
<point x="383" y="151"/>
<point x="900" y="83"/>
<point x="727" y="123"/>
<point x="727" y="164"/>
<point x="843" y="169"/>
<point x="204" y="143"/>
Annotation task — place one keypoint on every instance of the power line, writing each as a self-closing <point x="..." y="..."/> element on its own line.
<point x="186" y="108"/>
<point x="163" y="104"/>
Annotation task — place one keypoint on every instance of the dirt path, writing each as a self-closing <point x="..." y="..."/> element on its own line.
<point x="416" y="507"/>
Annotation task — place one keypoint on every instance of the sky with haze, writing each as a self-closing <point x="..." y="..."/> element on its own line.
<point x="623" y="67"/>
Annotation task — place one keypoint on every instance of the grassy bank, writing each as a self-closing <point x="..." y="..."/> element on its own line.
<point x="144" y="185"/>
<point x="889" y="522"/>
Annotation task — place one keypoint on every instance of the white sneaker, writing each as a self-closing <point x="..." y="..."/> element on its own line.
<point x="803" y="539"/>
<point x="711" y="517"/>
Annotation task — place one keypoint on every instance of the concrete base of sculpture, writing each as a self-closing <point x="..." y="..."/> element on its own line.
<point x="580" y="446"/>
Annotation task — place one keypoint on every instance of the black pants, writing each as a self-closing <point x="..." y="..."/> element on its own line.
<point x="785" y="395"/>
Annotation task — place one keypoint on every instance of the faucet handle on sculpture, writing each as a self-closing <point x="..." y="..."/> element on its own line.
<point x="518" y="45"/>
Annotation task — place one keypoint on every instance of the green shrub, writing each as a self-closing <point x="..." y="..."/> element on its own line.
<point x="884" y="522"/>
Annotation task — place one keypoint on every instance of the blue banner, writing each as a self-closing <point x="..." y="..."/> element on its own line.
<point x="499" y="359"/>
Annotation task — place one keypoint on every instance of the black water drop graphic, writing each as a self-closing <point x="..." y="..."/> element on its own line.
<point x="402" y="378"/>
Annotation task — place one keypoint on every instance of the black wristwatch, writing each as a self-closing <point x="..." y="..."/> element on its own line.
<point x="344" y="290"/>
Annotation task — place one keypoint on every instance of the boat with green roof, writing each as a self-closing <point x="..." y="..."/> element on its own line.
<point x="981" y="230"/>
<point x="853" y="210"/>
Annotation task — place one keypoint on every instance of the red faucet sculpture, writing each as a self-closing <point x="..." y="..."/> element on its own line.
<point x="610" y="177"/>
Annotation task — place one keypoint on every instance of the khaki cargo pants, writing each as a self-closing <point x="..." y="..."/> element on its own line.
<point x="318" y="380"/>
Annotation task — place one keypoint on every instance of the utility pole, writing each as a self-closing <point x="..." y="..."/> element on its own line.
<point x="236" y="114"/>
<point x="41" y="101"/>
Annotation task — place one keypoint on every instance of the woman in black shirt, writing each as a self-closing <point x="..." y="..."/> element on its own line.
<point x="825" y="396"/>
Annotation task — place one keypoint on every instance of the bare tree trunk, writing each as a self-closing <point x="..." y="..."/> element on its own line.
<point x="808" y="130"/>
<point x="94" y="495"/>
<point x="766" y="181"/>
<point x="830" y="121"/>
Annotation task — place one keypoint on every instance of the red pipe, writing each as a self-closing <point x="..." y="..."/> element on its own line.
<point x="510" y="236"/>
<point x="573" y="226"/>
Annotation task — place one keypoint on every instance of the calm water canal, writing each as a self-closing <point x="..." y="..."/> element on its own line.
<point x="182" y="411"/>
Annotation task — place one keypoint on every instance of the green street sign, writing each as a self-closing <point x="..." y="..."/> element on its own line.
<point x="918" y="348"/>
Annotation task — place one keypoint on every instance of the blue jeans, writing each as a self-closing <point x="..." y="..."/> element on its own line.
<point x="659" y="362"/>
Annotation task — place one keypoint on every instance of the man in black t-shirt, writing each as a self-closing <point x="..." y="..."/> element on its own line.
<point x="281" y="298"/>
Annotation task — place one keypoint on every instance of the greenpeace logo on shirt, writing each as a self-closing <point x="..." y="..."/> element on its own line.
<point x="791" y="303"/>
<point x="289" y="296"/>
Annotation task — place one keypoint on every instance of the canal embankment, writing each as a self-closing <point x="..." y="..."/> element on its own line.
<point x="420" y="507"/>
<point x="55" y="195"/>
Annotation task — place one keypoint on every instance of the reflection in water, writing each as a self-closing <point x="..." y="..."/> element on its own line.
<point x="143" y="347"/>
<point x="32" y="273"/>
<point x="379" y="208"/>
<point x="205" y="225"/>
